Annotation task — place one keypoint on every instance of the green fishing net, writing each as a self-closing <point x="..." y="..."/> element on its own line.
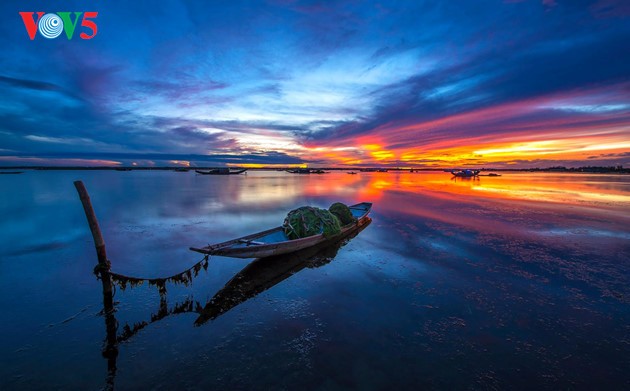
<point x="308" y="221"/>
<point x="342" y="212"/>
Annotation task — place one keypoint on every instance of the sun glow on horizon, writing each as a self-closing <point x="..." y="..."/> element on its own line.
<point x="521" y="133"/>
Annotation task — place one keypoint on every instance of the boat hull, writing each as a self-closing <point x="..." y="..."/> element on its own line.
<point x="465" y="173"/>
<point x="264" y="273"/>
<point x="249" y="247"/>
<point x="221" y="172"/>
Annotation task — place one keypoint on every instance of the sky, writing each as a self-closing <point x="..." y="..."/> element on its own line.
<point x="531" y="83"/>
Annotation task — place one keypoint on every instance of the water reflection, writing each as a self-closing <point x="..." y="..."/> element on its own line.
<point x="258" y="276"/>
<point x="535" y="279"/>
<point x="264" y="273"/>
<point x="545" y="187"/>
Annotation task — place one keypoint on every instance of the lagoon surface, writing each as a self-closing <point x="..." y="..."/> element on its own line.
<point x="513" y="282"/>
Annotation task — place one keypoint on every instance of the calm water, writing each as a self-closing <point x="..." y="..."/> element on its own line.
<point x="514" y="282"/>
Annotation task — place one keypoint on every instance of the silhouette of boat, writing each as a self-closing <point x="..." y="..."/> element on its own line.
<point x="306" y="171"/>
<point x="221" y="171"/>
<point x="465" y="173"/>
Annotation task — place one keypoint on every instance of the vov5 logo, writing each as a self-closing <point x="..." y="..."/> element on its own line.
<point x="51" y="25"/>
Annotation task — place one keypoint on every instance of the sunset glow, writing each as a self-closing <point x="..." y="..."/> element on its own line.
<point x="290" y="84"/>
<point x="315" y="195"/>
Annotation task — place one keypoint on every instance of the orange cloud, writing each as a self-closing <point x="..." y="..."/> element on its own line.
<point x="559" y="127"/>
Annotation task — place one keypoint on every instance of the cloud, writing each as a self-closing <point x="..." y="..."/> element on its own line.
<point x="190" y="89"/>
<point x="36" y="86"/>
<point x="165" y="159"/>
<point x="312" y="81"/>
<point x="30" y="84"/>
<point x="611" y="9"/>
<point x="74" y="141"/>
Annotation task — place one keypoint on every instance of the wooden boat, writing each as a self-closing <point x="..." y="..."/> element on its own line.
<point x="299" y="171"/>
<point x="465" y="173"/>
<point x="264" y="273"/>
<point x="306" y="171"/>
<point x="221" y="171"/>
<point x="274" y="242"/>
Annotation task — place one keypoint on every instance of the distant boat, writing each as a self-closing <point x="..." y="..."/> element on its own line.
<point x="299" y="171"/>
<point x="352" y="173"/>
<point x="306" y="171"/>
<point x="493" y="174"/>
<point x="11" y="172"/>
<point x="465" y="173"/>
<point x="274" y="241"/>
<point x="181" y="169"/>
<point x="221" y="171"/>
<point x="122" y="169"/>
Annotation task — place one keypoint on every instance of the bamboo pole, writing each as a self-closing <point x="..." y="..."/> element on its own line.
<point x="110" y="349"/>
<point x="103" y="267"/>
<point x="99" y="243"/>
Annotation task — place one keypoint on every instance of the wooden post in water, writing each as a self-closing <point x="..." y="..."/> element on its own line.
<point x="103" y="266"/>
<point x="99" y="243"/>
<point x="110" y="350"/>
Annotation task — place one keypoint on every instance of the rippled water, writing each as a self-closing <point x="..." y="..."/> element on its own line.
<point x="512" y="282"/>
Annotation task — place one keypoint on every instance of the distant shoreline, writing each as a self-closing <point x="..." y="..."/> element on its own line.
<point x="589" y="170"/>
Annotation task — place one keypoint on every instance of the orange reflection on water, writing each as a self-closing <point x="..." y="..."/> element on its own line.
<point x="601" y="189"/>
<point x="259" y="165"/>
<point x="549" y="187"/>
<point x="568" y="192"/>
<point x="432" y="191"/>
<point x="273" y="187"/>
<point x="374" y="188"/>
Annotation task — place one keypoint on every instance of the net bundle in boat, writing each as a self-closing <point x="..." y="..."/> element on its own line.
<point x="343" y="213"/>
<point x="307" y="221"/>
